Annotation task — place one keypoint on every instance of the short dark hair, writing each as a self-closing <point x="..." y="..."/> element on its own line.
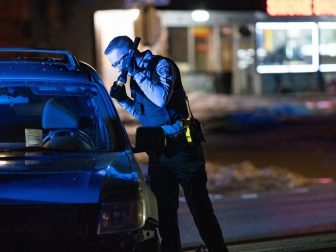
<point x="119" y="42"/>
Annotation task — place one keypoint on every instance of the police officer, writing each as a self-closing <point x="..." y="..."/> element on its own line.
<point x="158" y="100"/>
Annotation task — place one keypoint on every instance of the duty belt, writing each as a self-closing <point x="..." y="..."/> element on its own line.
<point x="179" y="138"/>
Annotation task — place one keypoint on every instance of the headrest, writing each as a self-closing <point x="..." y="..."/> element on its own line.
<point x="55" y="116"/>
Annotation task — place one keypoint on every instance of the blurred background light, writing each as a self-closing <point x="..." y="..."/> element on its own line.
<point x="3" y="162"/>
<point x="134" y="14"/>
<point x="200" y="15"/>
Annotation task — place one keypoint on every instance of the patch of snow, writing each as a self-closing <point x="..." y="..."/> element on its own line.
<point x="246" y="178"/>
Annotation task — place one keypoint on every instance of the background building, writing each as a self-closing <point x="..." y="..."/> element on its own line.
<point x="231" y="52"/>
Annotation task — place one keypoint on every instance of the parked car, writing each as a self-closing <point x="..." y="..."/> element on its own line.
<point x="68" y="177"/>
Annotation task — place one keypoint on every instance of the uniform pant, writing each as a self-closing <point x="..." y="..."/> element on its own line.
<point x="183" y="165"/>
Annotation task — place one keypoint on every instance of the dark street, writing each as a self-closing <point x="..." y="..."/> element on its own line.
<point x="260" y="75"/>
<point x="297" y="219"/>
<point x="306" y="146"/>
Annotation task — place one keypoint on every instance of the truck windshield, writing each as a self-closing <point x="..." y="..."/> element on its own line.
<point x="54" y="116"/>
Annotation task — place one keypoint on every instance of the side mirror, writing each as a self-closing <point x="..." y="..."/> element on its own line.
<point x="149" y="139"/>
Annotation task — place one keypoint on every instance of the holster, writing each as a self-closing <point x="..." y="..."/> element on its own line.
<point x="193" y="130"/>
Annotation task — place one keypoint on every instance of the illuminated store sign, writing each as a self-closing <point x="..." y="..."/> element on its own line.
<point x="301" y="7"/>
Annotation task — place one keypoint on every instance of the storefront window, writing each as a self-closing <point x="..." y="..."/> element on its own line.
<point x="178" y="43"/>
<point x="287" y="47"/>
<point x="203" y="48"/>
<point x="327" y="46"/>
<point x="226" y="48"/>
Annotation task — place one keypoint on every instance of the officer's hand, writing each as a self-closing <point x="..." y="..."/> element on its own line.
<point x="118" y="92"/>
<point x="133" y="69"/>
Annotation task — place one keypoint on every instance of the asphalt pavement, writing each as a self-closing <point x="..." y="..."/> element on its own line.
<point x="301" y="219"/>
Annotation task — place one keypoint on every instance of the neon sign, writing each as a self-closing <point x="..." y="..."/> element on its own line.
<point x="301" y="7"/>
<point x="325" y="7"/>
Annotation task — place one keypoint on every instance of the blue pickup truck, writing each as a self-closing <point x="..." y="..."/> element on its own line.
<point x="69" y="180"/>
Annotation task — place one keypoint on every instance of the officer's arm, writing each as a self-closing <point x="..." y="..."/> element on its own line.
<point x="157" y="91"/>
<point x="130" y="107"/>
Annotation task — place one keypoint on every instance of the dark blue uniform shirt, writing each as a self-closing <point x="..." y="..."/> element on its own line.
<point x="151" y="90"/>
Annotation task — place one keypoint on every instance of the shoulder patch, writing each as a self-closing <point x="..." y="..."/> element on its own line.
<point x="163" y="67"/>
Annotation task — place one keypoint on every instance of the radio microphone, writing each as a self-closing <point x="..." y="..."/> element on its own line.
<point x="122" y="78"/>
